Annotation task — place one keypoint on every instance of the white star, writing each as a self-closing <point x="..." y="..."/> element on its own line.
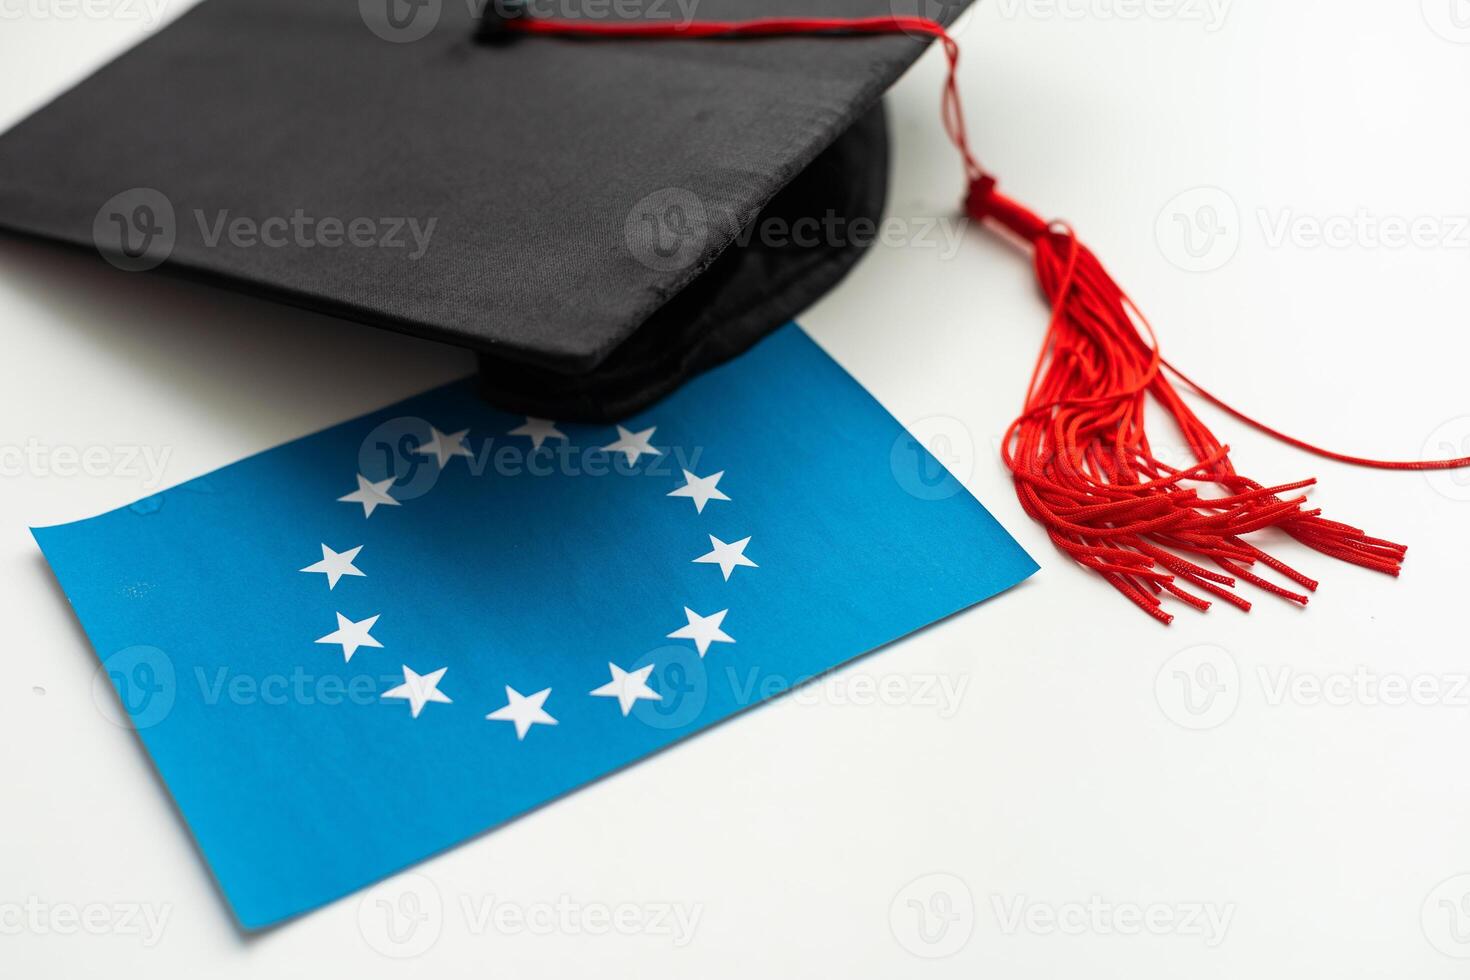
<point x="523" y="711"/>
<point x="370" y="495"/>
<point x="700" y="489"/>
<point x="633" y="444"/>
<point x="335" y="564"/>
<point x="703" y="630"/>
<point x="627" y="687"/>
<point x="539" y="430"/>
<point x="727" y="556"/>
<point x="352" y="635"/>
<point x="444" y="447"/>
<point x="419" y="689"/>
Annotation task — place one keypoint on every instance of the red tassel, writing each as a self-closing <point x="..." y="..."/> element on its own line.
<point x="1082" y="462"/>
<point x="1079" y="453"/>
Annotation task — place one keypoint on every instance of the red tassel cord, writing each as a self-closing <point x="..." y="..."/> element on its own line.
<point x="1079" y="452"/>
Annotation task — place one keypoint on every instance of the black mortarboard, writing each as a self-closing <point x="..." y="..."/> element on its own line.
<point x="563" y="207"/>
<point x="585" y="194"/>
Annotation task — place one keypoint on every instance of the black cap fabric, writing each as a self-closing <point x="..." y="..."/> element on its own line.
<point x="565" y="207"/>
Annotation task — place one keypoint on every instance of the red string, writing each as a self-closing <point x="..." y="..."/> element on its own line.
<point x="1382" y="464"/>
<point x="1080" y="458"/>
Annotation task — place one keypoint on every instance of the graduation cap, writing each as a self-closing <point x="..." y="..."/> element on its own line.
<point x="570" y="193"/>
<point x="565" y="209"/>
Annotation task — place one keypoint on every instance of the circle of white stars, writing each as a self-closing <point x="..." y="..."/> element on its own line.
<point x="525" y="712"/>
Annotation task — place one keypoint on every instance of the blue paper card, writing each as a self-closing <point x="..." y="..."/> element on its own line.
<point x="357" y="649"/>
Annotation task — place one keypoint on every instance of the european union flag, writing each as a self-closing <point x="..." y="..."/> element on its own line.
<point x="355" y="650"/>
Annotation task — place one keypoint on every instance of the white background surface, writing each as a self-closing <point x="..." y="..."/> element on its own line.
<point x="1061" y="774"/>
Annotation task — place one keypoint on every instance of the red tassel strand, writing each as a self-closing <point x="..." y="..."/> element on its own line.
<point x="1079" y="452"/>
<point x="1085" y="471"/>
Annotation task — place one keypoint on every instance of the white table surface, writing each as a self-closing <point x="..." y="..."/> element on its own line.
<point x="1301" y="832"/>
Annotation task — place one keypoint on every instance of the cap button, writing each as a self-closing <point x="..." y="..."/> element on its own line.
<point x="495" y="18"/>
